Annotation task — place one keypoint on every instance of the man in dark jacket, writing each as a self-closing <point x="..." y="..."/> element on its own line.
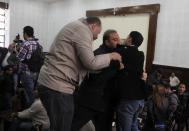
<point x="129" y="84"/>
<point x="7" y="87"/>
<point x="92" y="100"/>
<point x="182" y="114"/>
<point x="3" y="52"/>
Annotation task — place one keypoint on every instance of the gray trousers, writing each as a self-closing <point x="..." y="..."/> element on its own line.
<point x="59" y="106"/>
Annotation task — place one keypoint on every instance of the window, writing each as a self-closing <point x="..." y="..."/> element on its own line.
<point x="3" y="23"/>
<point x="2" y="27"/>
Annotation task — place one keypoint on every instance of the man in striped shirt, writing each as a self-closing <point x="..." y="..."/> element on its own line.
<point x="28" y="77"/>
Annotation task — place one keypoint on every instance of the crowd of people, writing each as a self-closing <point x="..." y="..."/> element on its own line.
<point x="20" y="66"/>
<point x="72" y="84"/>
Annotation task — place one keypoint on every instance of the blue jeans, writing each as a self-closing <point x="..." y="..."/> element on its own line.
<point x="21" y="125"/>
<point x="15" y="78"/>
<point x="59" y="107"/>
<point x="28" y="80"/>
<point x="127" y="114"/>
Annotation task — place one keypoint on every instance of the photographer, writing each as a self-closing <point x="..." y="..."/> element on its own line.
<point x="28" y="49"/>
<point x="9" y="56"/>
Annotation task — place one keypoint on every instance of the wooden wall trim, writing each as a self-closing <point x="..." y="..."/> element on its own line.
<point x="4" y="5"/>
<point x="171" y="67"/>
<point x="151" y="41"/>
<point x="152" y="9"/>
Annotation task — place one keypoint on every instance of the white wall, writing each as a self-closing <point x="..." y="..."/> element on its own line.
<point x="172" y="43"/>
<point x="29" y="12"/>
<point x="61" y="13"/>
<point x="6" y="1"/>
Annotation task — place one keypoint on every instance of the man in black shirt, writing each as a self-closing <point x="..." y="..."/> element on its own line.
<point x="129" y="84"/>
<point x="93" y="98"/>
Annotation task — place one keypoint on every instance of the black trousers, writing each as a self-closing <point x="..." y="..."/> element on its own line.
<point x="101" y="120"/>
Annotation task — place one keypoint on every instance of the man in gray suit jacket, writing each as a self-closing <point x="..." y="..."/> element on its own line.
<point x="70" y="58"/>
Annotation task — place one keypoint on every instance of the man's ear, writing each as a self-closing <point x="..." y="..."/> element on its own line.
<point x="25" y="35"/>
<point x="106" y="42"/>
<point x="130" y="40"/>
<point x="91" y="26"/>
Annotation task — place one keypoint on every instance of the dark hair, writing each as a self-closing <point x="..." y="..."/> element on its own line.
<point x="29" y="31"/>
<point x="93" y="20"/>
<point x="137" y="38"/>
<point x="165" y="82"/>
<point x="107" y="33"/>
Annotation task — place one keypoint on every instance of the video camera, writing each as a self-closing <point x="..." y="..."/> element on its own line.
<point x="17" y="39"/>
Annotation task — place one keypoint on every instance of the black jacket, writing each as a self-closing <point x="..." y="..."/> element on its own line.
<point x="3" y="52"/>
<point x="6" y="84"/>
<point x="128" y="81"/>
<point x="93" y="91"/>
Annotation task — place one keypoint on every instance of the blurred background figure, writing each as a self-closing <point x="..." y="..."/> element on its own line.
<point x="182" y="113"/>
<point x="174" y="81"/>
<point x="33" y="117"/>
<point x="161" y="106"/>
<point x="181" y="89"/>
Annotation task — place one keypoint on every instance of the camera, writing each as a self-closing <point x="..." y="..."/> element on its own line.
<point x="17" y="39"/>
